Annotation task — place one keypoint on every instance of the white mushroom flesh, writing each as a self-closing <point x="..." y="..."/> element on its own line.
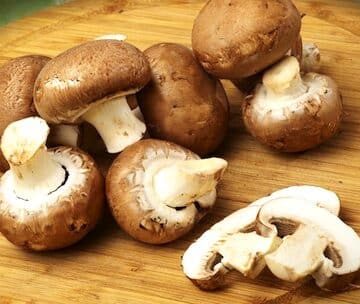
<point x="119" y="37"/>
<point x="203" y="251"/>
<point x="342" y="240"/>
<point x="34" y="172"/>
<point x="299" y="255"/>
<point x="116" y="123"/>
<point x="183" y="182"/>
<point x="311" y="58"/>
<point x="284" y="91"/>
<point x="244" y="252"/>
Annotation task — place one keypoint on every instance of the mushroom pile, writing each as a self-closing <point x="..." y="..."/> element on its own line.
<point x="270" y="232"/>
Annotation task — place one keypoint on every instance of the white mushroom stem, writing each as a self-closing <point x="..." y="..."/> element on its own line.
<point x="183" y="182"/>
<point x="119" y="37"/>
<point x="245" y="252"/>
<point x="284" y="79"/>
<point x="287" y="264"/>
<point x="116" y="123"/>
<point x="35" y="173"/>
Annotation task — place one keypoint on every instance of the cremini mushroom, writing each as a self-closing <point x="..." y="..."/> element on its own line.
<point x="182" y="103"/>
<point x="330" y="249"/>
<point x="310" y="61"/>
<point x="49" y="199"/>
<point x="234" y="39"/>
<point x="233" y="244"/>
<point x="290" y="112"/>
<point x="157" y="190"/>
<point x="90" y="82"/>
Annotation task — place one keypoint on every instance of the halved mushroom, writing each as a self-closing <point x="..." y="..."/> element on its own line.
<point x="330" y="250"/>
<point x="158" y="190"/>
<point x="234" y="39"/>
<point x="290" y="112"/>
<point x="90" y="83"/>
<point x="49" y="199"/>
<point x="182" y="94"/>
<point x="208" y="259"/>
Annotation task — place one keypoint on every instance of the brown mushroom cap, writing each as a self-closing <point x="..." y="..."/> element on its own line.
<point x="299" y="124"/>
<point x="234" y="39"/>
<point x="133" y="210"/>
<point x="94" y="70"/>
<point x="182" y="103"/>
<point x="17" y="78"/>
<point x="57" y="220"/>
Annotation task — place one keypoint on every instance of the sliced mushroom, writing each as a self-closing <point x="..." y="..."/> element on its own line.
<point x="290" y="112"/>
<point x="90" y="83"/>
<point x="49" y="199"/>
<point x="157" y="190"/>
<point x="234" y="39"/>
<point x="203" y="263"/>
<point x="333" y="248"/>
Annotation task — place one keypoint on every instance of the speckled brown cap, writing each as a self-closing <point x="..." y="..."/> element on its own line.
<point x="234" y="39"/>
<point x="17" y="78"/>
<point x="182" y="103"/>
<point x="62" y="217"/>
<point x="73" y="80"/>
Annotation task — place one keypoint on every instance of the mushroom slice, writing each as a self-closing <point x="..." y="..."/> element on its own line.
<point x="244" y="252"/>
<point x="310" y="61"/>
<point x="283" y="216"/>
<point x="158" y="190"/>
<point x="92" y="82"/>
<point x="290" y="112"/>
<point x="49" y="199"/>
<point x="203" y="263"/>
<point x="287" y="264"/>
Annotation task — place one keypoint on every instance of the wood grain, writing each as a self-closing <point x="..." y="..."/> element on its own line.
<point x="110" y="267"/>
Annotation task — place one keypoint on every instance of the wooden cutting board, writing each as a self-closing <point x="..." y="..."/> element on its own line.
<point x="110" y="267"/>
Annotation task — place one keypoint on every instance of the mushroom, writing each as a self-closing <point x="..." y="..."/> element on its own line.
<point x="157" y="190"/>
<point x="90" y="82"/>
<point x="182" y="94"/>
<point x="330" y="250"/>
<point x="49" y="199"/>
<point x="311" y="58"/>
<point x="290" y="112"/>
<point x="232" y="243"/>
<point x="234" y="39"/>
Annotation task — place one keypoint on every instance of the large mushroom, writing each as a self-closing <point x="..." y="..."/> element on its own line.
<point x="330" y="250"/>
<point x="233" y="244"/>
<point x="234" y="39"/>
<point x="157" y="190"/>
<point x="291" y="112"/>
<point x="182" y="103"/>
<point x="91" y="82"/>
<point x="49" y="199"/>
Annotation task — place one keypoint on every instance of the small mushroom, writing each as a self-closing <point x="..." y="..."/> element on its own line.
<point x="290" y="112"/>
<point x="157" y="190"/>
<point x="90" y="82"/>
<point x="49" y="199"/>
<point x="232" y="243"/>
<point x="234" y="39"/>
<point x="310" y="61"/>
<point x="182" y="94"/>
<point x="329" y="248"/>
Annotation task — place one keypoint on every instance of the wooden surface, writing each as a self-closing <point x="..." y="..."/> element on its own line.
<point x="109" y="266"/>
